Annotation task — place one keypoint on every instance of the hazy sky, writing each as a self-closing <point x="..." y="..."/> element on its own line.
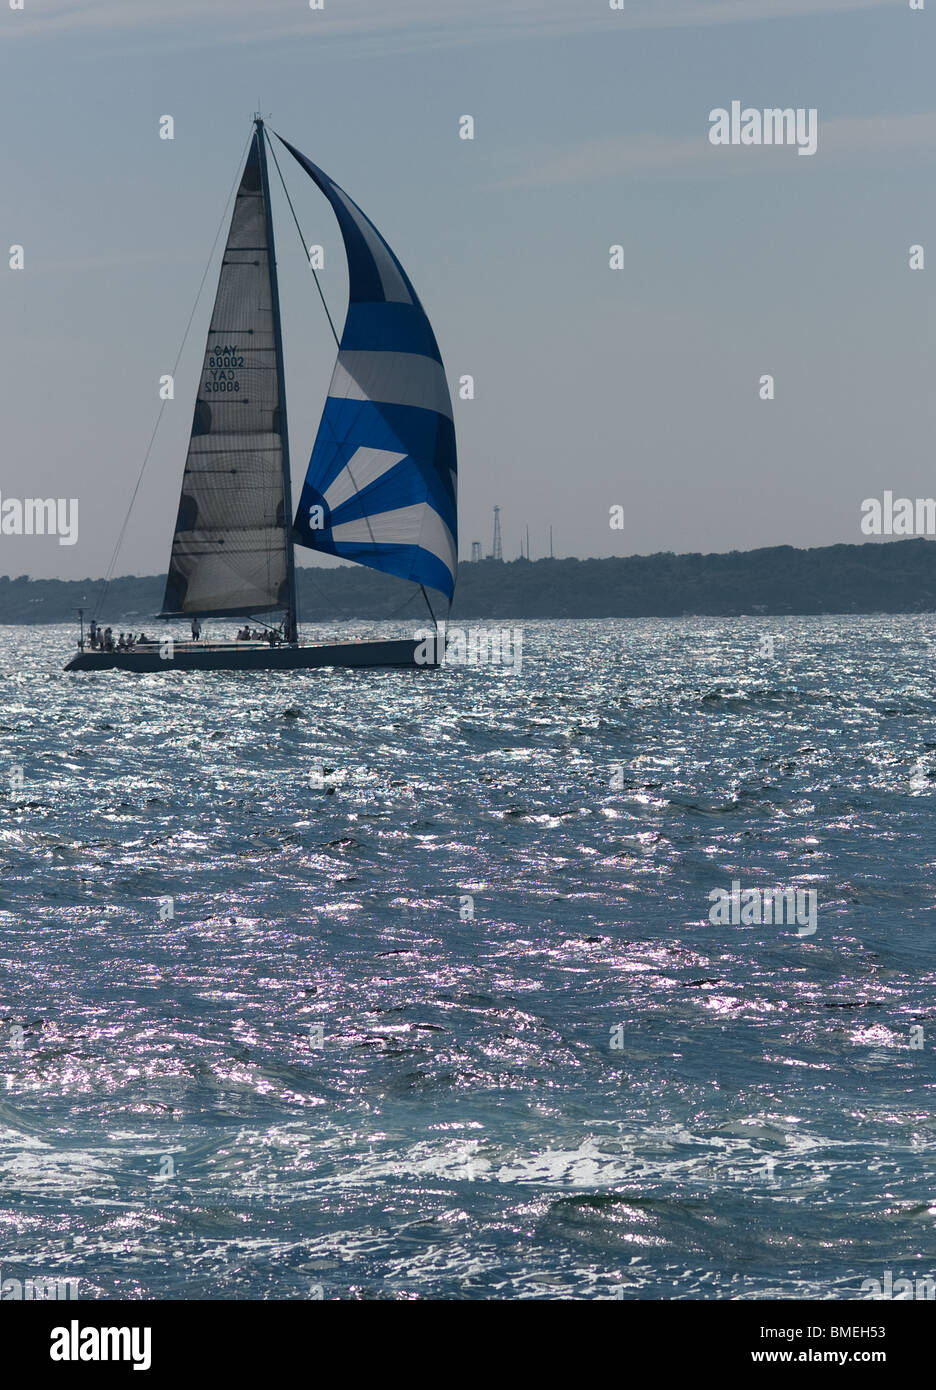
<point x="637" y="387"/>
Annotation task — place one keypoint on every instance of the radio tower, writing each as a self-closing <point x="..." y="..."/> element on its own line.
<point x="497" y="552"/>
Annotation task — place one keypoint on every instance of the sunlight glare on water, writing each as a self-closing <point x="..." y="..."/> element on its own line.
<point x="253" y="1040"/>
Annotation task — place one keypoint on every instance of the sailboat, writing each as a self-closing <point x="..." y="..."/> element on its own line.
<point x="380" y="489"/>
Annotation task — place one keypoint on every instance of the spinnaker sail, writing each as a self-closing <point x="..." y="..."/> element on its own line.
<point x="381" y="484"/>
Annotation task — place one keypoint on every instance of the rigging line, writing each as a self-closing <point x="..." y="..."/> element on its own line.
<point x="399" y="609"/>
<point x="302" y="239"/>
<point x="366" y="519"/>
<point x="343" y="613"/>
<point x="108" y="574"/>
<point x="429" y="606"/>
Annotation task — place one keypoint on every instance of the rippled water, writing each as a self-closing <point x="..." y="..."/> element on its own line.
<point x="169" y="1127"/>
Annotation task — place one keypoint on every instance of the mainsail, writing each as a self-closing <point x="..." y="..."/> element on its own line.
<point x="381" y="484"/>
<point x="230" y="552"/>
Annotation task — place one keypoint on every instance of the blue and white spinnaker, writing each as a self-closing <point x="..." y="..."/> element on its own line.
<point x="381" y="484"/>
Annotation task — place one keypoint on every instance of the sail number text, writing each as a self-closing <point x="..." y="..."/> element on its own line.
<point x="221" y="367"/>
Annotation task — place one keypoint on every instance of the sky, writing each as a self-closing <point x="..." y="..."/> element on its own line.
<point x="595" y="388"/>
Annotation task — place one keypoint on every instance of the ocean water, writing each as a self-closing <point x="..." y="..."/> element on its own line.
<point x="254" y="1044"/>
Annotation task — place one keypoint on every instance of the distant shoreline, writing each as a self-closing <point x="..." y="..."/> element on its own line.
<point x="895" y="577"/>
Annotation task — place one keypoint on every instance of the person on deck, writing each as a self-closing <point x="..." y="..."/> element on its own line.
<point x="196" y="629"/>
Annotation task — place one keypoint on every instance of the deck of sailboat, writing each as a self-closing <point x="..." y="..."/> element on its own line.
<point x="253" y="656"/>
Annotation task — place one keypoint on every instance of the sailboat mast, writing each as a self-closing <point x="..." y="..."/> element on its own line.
<point x="292" y="617"/>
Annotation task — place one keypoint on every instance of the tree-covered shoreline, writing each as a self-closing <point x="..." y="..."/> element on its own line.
<point x="894" y="577"/>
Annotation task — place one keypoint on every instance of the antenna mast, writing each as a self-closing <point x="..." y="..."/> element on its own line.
<point x="497" y="551"/>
